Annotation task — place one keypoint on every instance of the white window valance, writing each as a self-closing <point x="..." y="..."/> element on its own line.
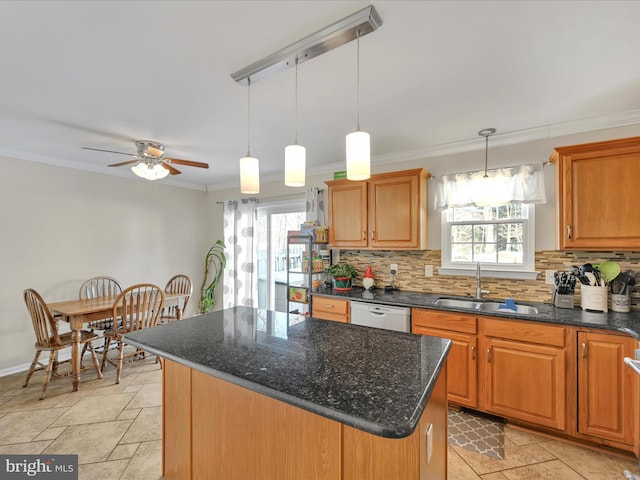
<point x="522" y="183"/>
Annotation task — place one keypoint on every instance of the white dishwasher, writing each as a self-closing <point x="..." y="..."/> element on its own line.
<point x="381" y="316"/>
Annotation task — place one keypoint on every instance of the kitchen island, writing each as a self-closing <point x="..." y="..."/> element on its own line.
<point x="251" y="394"/>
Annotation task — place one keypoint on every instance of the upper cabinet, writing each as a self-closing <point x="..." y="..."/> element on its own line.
<point x="597" y="186"/>
<point x="386" y="212"/>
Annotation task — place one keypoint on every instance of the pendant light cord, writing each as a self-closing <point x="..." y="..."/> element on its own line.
<point x="296" y="142"/>
<point x="486" y="154"/>
<point x="249" y="117"/>
<point x="358" y="79"/>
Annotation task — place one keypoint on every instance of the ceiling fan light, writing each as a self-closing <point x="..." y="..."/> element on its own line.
<point x="358" y="155"/>
<point x="149" y="172"/>
<point x="249" y="175"/>
<point x="154" y="152"/>
<point x="294" y="165"/>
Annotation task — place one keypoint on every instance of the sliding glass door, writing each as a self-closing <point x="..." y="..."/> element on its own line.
<point x="274" y="221"/>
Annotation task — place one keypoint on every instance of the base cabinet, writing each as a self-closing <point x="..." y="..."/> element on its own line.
<point x="330" y="308"/>
<point x="607" y="388"/>
<point x="213" y="429"/>
<point x="462" y="382"/>
<point x="525" y="381"/>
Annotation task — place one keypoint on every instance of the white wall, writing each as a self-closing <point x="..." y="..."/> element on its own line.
<point x="61" y="226"/>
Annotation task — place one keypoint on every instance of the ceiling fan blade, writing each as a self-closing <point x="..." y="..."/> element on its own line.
<point x="109" y="151"/>
<point x="172" y="171"/>
<point x="128" y="162"/>
<point x="189" y="163"/>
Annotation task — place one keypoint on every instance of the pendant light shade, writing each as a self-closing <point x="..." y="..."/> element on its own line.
<point x="295" y="156"/>
<point x="249" y="165"/>
<point x="149" y="171"/>
<point x="249" y="175"/>
<point x="358" y="143"/>
<point x="294" y="165"/>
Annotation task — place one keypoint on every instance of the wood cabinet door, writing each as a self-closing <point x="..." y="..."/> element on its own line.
<point x="327" y="308"/>
<point x="348" y="214"/>
<point x="597" y="186"/>
<point x="607" y="388"/>
<point x="462" y="365"/>
<point x="525" y="381"/>
<point x="394" y="212"/>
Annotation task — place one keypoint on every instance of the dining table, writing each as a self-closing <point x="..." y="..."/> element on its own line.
<point x="80" y="311"/>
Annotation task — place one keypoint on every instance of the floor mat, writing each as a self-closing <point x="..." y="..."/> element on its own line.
<point x="481" y="434"/>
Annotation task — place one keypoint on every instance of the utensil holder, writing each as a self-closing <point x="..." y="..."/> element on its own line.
<point x="563" y="300"/>
<point x="620" y="303"/>
<point x="594" y="298"/>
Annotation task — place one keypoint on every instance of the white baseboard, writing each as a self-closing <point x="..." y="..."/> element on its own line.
<point x="25" y="366"/>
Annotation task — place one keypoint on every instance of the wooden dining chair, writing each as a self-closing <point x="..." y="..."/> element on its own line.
<point x="48" y="339"/>
<point x="100" y="287"/>
<point x="177" y="284"/>
<point x="138" y="306"/>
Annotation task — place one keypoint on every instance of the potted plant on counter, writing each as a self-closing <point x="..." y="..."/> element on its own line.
<point x="342" y="274"/>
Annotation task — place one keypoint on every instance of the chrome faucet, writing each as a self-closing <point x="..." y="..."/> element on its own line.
<point x="479" y="290"/>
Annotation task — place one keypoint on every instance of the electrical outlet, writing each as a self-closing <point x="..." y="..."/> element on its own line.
<point x="428" y="270"/>
<point x="394" y="269"/>
<point x="549" y="276"/>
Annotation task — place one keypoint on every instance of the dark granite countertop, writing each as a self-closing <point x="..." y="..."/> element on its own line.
<point x="375" y="380"/>
<point x="628" y="323"/>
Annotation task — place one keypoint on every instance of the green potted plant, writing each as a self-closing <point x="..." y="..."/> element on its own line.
<point x="342" y="274"/>
<point x="214" y="263"/>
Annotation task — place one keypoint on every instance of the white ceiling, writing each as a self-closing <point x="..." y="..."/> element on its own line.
<point x="103" y="73"/>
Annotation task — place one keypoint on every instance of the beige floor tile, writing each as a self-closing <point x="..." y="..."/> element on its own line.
<point x="124" y="451"/>
<point x="148" y="396"/>
<point x="521" y="436"/>
<point x="29" y="399"/>
<point x="146" y="464"/>
<point x="51" y="433"/>
<point x="129" y="413"/>
<point x="493" y="476"/>
<point x="102" y="470"/>
<point x="154" y="411"/>
<point x="147" y="377"/>
<point x="21" y="427"/>
<point x="95" y="409"/>
<point x="552" y="470"/>
<point x="92" y="443"/>
<point x="591" y="464"/>
<point x="458" y="468"/>
<point x="29" y="448"/>
<point x="143" y="429"/>
<point x="514" y="456"/>
<point x="133" y="388"/>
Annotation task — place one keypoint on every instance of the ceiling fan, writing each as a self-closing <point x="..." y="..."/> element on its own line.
<point x="150" y="160"/>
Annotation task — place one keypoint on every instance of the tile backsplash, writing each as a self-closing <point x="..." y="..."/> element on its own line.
<point x="411" y="276"/>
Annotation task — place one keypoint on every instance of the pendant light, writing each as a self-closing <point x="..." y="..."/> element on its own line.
<point x="295" y="155"/>
<point x="249" y="166"/>
<point x="358" y="142"/>
<point x="488" y="191"/>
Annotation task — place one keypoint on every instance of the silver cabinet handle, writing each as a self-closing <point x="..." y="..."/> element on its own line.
<point x="473" y="353"/>
<point x="489" y="355"/>
<point x="569" y="232"/>
<point x="584" y="349"/>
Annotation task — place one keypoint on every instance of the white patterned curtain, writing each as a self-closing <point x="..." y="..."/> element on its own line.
<point x="240" y="236"/>
<point x="523" y="183"/>
<point x="315" y="206"/>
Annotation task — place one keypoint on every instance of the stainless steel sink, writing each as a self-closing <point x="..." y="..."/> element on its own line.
<point x="457" y="303"/>
<point x="495" y="307"/>
<point x="484" y="306"/>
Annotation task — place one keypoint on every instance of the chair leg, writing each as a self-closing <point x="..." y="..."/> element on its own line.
<point x="32" y="368"/>
<point x="120" y="361"/>
<point x="94" y="358"/>
<point x="47" y="375"/>
<point x="104" y="353"/>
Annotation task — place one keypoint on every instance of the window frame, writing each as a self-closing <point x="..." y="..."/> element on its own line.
<point x="525" y="271"/>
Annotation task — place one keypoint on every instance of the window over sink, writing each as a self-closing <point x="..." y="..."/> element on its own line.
<point x="500" y="237"/>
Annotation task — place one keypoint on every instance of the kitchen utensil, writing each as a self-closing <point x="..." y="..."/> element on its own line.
<point x="609" y="270"/>
<point x="591" y="279"/>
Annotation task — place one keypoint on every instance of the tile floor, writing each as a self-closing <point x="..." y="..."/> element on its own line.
<point x="116" y="431"/>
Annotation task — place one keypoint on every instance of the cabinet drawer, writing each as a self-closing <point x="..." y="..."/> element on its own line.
<point x="454" y="322"/>
<point x="529" y="332"/>
<point x="330" y="308"/>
